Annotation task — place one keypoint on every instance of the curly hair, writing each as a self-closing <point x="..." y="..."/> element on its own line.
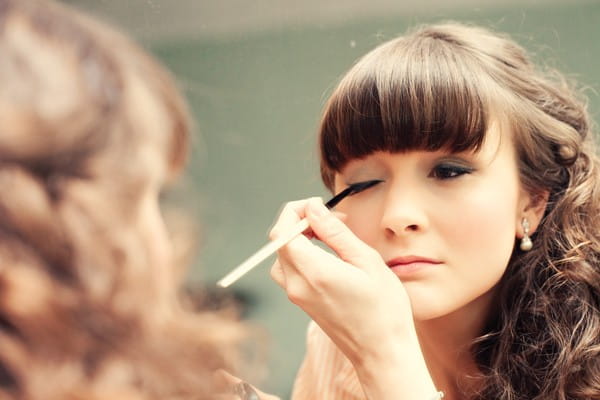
<point x="439" y="87"/>
<point x="88" y="119"/>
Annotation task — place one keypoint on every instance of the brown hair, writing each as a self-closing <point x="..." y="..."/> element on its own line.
<point x="439" y="87"/>
<point x="88" y="119"/>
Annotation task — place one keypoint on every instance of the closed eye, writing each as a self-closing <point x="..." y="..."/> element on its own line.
<point x="362" y="186"/>
<point x="352" y="189"/>
<point x="449" y="171"/>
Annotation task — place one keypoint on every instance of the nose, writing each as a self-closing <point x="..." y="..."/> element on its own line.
<point x="404" y="212"/>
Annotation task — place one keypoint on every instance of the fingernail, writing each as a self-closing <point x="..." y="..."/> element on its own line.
<point x="245" y="391"/>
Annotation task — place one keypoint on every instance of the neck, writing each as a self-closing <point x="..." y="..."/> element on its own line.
<point x="446" y="344"/>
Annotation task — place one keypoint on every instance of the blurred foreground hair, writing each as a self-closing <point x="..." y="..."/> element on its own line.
<point x="87" y="120"/>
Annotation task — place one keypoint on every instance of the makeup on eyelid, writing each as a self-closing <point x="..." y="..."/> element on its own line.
<point x="436" y="164"/>
<point x="449" y="170"/>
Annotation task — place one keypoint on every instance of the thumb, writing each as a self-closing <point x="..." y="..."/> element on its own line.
<point x="334" y="233"/>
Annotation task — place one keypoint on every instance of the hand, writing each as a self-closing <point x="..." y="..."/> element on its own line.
<point x="354" y="297"/>
<point x="235" y="388"/>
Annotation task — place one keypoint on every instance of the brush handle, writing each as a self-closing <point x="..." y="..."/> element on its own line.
<point x="262" y="254"/>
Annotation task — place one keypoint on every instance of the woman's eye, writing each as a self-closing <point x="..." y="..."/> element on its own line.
<point x="448" y="171"/>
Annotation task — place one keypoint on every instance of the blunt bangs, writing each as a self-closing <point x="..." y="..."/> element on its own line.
<point x="405" y="95"/>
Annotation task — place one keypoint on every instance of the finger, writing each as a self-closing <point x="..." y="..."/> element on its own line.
<point x="287" y="254"/>
<point x="333" y="232"/>
<point x="304" y="264"/>
<point x="340" y="215"/>
<point x="278" y="274"/>
<point x="245" y="391"/>
<point x="227" y="380"/>
<point x="292" y="213"/>
<point x="224" y="379"/>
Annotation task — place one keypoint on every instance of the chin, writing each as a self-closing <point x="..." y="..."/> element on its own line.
<point x="421" y="314"/>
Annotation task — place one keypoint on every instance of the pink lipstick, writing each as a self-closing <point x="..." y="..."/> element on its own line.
<point x="406" y="266"/>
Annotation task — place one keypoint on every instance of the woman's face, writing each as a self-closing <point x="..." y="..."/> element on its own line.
<point x="152" y="231"/>
<point x="444" y="223"/>
<point x="151" y="227"/>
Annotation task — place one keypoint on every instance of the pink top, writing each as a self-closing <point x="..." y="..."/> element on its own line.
<point x="325" y="374"/>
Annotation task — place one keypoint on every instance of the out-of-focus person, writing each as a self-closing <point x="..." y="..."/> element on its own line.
<point x="92" y="128"/>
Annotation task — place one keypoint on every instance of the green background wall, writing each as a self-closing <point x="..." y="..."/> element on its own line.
<point x="256" y="97"/>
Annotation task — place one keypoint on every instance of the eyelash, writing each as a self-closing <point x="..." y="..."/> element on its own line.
<point x="448" y="171"/>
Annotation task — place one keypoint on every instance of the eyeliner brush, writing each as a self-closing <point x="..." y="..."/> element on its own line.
<point x="281" y="241"/>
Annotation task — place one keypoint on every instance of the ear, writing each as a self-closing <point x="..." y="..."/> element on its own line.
<point x="531" y="207"/>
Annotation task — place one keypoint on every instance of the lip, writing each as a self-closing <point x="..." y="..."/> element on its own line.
<point x="408" y="265"/>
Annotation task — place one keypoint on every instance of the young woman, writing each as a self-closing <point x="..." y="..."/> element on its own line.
<point x="91" y="130"/>
<point x="472" y="270"/>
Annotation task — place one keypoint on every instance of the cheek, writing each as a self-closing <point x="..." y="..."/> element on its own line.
<point x="483" y="229"/>
<point x="155" y="238"/>
<point x="362" y="219"/>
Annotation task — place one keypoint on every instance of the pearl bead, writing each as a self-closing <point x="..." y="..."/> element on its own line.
<point x="526" y="243"/>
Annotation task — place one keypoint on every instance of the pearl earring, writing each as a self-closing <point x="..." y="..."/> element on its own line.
<point x="526" y="243"/>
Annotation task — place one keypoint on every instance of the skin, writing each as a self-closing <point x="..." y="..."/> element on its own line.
<point x="461" y="211"/>
<point x="152" y="229"/>
<point x="153" y="176"/>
